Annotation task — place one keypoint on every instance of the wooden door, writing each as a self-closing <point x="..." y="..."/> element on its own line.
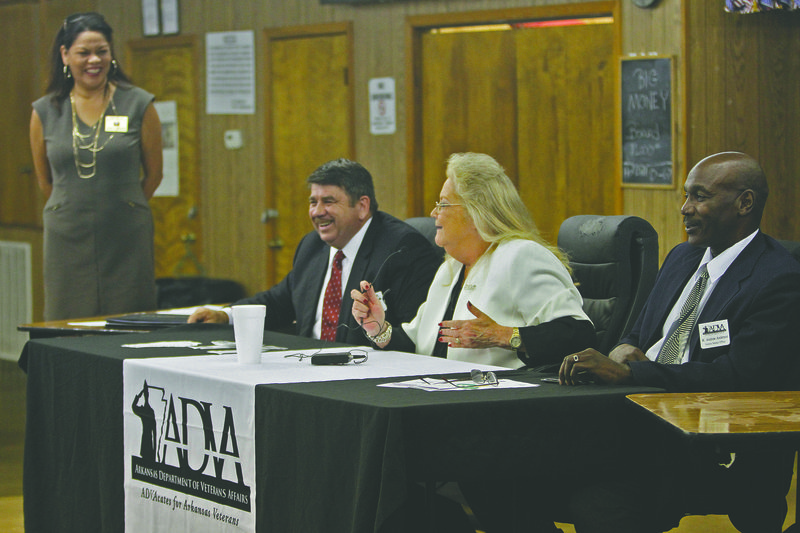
<point x="566" y="95"/>
<point x="309" y="122"/>
<point x="539" y="98"/>
<point x="468" y="102"/>
<point x="167" y="67"/>
<point x="20" y="200"/>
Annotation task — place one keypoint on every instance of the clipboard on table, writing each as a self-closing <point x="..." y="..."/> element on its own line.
<point x="147" y="320"/>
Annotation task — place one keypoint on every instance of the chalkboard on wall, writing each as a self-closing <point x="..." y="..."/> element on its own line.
<point x="647" y="122"/>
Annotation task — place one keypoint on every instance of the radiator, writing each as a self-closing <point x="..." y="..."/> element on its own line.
<point x="16" y="296"/>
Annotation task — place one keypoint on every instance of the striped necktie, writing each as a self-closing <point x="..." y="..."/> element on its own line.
<point x="671" y="352"/>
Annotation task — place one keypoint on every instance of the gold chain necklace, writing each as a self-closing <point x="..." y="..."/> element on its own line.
<point x="88" y="141"/>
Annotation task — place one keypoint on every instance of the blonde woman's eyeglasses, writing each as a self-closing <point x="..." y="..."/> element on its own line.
<point x="442" y="205"/>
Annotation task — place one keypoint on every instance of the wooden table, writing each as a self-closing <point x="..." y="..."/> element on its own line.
<point x="73" y="326"/>
<point x="731" y="419"/>
<point x="92" y="325"/>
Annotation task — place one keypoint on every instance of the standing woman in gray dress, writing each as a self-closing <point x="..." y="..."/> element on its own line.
<point x="96" y="143"/>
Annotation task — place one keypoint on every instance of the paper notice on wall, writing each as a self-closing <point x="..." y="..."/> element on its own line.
<point x="230" y="73"/>
<point x="382" y="118"/>
<point x="168" y="115"/>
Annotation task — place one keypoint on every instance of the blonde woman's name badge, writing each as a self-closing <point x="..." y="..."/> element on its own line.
<point x="116" y="124"/>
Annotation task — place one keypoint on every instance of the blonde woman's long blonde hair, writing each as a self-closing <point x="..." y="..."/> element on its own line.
<point x="493" y="202"/>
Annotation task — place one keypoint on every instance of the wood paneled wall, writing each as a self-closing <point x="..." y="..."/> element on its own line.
<point x="761" y="118"/>
<point x="743" y="94"/>
<point x="380" y="50"/>
<point x="659" y="31"/>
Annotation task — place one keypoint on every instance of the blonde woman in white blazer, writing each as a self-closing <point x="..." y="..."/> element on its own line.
<point x="503" y="296"/>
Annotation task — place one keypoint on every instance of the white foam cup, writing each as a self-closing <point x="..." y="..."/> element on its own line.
<point x="248" y="330"/>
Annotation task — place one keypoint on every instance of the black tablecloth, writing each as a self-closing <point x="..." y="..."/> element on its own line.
<point x="330" y="456"/>
<point x="349" y="448"/>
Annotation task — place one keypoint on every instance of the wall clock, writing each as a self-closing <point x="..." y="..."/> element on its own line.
<point x="645" y="3"/>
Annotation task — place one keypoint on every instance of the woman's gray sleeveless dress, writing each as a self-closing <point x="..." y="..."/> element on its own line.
<point x="98" y="231"/>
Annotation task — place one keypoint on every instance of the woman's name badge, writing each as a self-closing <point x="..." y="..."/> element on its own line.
<point x="713" y="334"/>
<point x="116" y="124"/>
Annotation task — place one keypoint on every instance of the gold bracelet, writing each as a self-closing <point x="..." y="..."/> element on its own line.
<point x="383" y="337"/>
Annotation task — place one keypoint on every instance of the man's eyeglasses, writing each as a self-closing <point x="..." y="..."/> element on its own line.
<point x="483" y="378"/>
<point x="442" y="205"/>
<point x="477" y="379"/>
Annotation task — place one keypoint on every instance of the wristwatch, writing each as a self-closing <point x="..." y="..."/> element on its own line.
<point x="382" y="337"/>
<point x="515" y="341"/>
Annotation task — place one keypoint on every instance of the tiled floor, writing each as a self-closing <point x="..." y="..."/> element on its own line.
<point x="11" y="514"/>
<point x="12" y="428"/>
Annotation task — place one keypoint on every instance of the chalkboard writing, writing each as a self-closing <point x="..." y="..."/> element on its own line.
<point x="647" y="121"/>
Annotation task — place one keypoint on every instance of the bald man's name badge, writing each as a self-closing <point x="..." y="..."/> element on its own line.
<point x="713" y="334"/>
<point x="116" y="124"/>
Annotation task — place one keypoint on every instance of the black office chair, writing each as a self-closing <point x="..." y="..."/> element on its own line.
<point x="793" y="248"/>
<point x="614" y="263"/>
<point x="196" y="290"/>
<point x="426" y="226"/>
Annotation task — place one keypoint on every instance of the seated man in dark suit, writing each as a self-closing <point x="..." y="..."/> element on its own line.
<point x="722" y="316"/>
<point x="375" y="246"/>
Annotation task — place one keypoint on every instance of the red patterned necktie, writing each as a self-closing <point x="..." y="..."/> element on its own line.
<point x="333" y="300"/>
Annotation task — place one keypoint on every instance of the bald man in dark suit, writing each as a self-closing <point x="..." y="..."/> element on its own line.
<point x="743" y="337"/>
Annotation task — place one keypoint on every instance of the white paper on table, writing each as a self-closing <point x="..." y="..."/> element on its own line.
<point x="188" y="310"/>
<point x="436" y="384"/>
<point x="89" y="323"/>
